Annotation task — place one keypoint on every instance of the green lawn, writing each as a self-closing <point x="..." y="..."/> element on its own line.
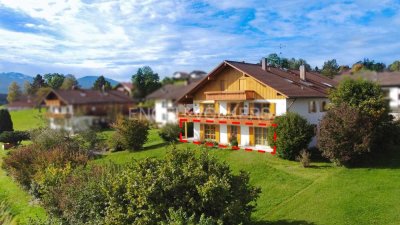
<point x="28" y="119"/>
<point x="323" y="194"/>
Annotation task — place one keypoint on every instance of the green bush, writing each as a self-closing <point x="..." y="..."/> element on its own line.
<point x="199" y="186"/>
<point x="234" y="141"/>
<point x="116" y="142"/>
<point x="45" y="138"/>
<point x="14" y="137"/>
<point x="345" y="134"/>
<point x="294" y="133"/>
<point x="134" y="132"/>
<point x="170" y="132"/>
<point x="6" y="123"/>
<point x="90" y="140"/>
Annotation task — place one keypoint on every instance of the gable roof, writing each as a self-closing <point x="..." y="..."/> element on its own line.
<point x="286" y="82"/>
<point x="171" y="92"/>
<point x="386" y="79"/>
<point x="77" y="97"/>
<point x="127" y="85"/>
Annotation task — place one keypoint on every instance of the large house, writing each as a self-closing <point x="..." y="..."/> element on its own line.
<point x="390" y="83"/>
<point x="75" y="110"/>
<point x="240" y="100"/>
<point x="166" y="108"/>
<point x="126" y="87"/>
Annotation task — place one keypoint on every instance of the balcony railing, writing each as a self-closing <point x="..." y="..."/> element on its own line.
<point x="249" y="120"/>
<point x="58" y="115"/>
<point x="55" y="102"/>
<point x="230" y="95"/>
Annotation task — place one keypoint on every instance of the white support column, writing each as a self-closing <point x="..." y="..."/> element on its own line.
<point x="223" y="134"/>
<point x="244" y="136"/>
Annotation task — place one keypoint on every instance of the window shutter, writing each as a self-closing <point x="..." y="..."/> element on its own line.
<point x="217" y="133"/>
<point x="251" y="134"/>
<point x="201" y="132"/>
<point x="273" y="108"/>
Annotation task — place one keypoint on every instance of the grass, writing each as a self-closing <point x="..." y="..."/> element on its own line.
<point x="19" y="202"/>
<point x="28" y="119"/>
<point x="322" y="194"/>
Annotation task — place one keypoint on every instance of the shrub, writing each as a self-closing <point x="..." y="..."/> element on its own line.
<point x="116" y="142"/>
<point x="344" y="134"/>
<point x="6" y="215"/>
<point x="294" y="133"/>
<point x="234" y="141"/>
<point x="45" y="138"/>
<point x="170" y="132"/>
<point x="90" y="140"/>
<point x="14" y="137"/>
<point x="6" y="123"/>
<point x="304" y="158"/>
<point x="199" y="186"/>
<point x="133" y="131"/>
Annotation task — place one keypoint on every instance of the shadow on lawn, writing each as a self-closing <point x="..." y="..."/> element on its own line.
<point x="386" y="159"/>
<point x="284" y="222"/>
<point x="159" y="145"/>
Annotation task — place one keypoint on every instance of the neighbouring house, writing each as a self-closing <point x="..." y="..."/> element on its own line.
<point x="76" y="110"/>
<point x="197" y="74"/>
<point x="166" y="108"/>
<point x="239" y="100"/>
<point x="390" y="83"/>
<point x="125" y="87"/>
<point x="179" y="75"/>
<point x="24" y="102"/>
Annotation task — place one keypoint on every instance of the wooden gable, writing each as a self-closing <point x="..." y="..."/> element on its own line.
<point x="231" y="79"/>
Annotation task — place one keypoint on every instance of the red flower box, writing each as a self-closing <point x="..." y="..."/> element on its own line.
<point x="210" y="144"/>
<point x="235" y="148"/>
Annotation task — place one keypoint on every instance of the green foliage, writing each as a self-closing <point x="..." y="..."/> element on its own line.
<point x="145" y="192"/>
<point x="134" y="132"/>
<point x="234" y="141"/>
<point x="330" y="68"/>
<point x="116" y="142"/>
<point x="14" y="92"/>
<point x="90" y="140"/>
<point x="6" y="123"/>
<point x="44" y="138"/>
<point x="102" y="84"/>
<point x="304" y="158"/>
<point x="6" y="216"/>
<point x="14" y="137"/>
<point x="38" y="82"/>
<point x="364" y="95"/>
<point x="294" y="134"/>
<point x="395" y="66"/>
<point x="293" y="64"/>
<point x="28" y="89"/>
<point x="69" y="82"/>
<point x="170" y="132"/>
<point x="145" y="81"/>
<point x="54" y="80"/>
<point x="345" y="133"/>
<point x="372" y="65"/>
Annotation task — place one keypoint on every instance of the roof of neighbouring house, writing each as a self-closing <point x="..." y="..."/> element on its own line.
<point x="25" y="101"/>
<point x="80" y="96"/>
<point x="286" y="82"/>
<point x="127" y="85"/>
<point x="171" y="92"/>
<point x="386" y="79"/>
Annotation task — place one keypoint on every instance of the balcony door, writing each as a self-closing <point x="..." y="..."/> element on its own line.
<point x="260" y="136"/>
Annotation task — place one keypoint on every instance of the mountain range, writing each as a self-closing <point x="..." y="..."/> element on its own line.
<point x="7" y="78"/>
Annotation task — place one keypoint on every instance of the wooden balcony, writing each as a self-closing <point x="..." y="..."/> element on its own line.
<point x="55" y="102"/>
<point x="58" y="115"/>
<point x="230" y="95"/>
<point x="247" y="120"/>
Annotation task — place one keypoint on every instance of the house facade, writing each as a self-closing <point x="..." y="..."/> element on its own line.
<point x="125" y="87"/>
<point x="166" y="108"/>
<point x="76" y="110"/>
<point x="239" y="100"/>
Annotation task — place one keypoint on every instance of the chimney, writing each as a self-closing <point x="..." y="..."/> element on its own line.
<point x="264" y="63"/>
<point x="302" y="72"/>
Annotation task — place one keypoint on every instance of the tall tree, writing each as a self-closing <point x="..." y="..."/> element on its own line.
<point x="69" y="82"/>
<point x="372" y="65"/>
<point x="330" y="68"/>
<point x="395" y="66"/>
<point x="145" y="81"/>
<point x="38" y="82"/>
<point x="6" y="123"/>
<point x="14" y="92"/>
<point x="54" y="80"/>
<point x="102" y="84"/>
<point x="274" y="60"/>
<point x="28" y="88"/>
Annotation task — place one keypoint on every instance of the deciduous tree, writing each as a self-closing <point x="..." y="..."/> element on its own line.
<point x="102" y="84"/>
<point x="330" y="68"/>
<point x="69" y="82"/>
<point x="145" y="81"/>
<point x="54" y="80"/>
<point x="14" y="92"/>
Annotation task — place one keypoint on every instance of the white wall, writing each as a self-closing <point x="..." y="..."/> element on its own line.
<point x="300" y="106"/>
<point x="196" y="131"/>
<point x="223" y="134"/>
<point x="280" y="105"/>
<point x="167" y="113"/>
<point x="244" y="136"/>
<point x="223" y="107"/>
<point x="196" y="106"/>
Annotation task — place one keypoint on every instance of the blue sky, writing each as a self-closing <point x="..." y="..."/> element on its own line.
<point x="114" y="38"/>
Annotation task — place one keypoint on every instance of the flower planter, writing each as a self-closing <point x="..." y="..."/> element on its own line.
<point x="222" y="146"/>
<point x="235" y="148"/>
<point x="209" y="144"/>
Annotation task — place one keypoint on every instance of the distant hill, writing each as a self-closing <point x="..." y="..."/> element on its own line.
<point x="3" y="99"/>
<point x="88" y="81"/>
<point x="7" y="78"/>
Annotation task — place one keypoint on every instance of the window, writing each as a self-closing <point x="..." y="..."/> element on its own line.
<point x="386" y="93"/>
<point x="312" y="107"/>
<point x="233" y="108"/>
<point x="164" y="116"/>
<point x="324" y="106"/>
<point x="222" y="85"/>
<point x="209" y="108"/>
<point x="164" y="104"/>
<point x="261" y="109"/>
<point x="260" y="135"/>
<point x="234" y="131"/>
<point x="209" y="131"/>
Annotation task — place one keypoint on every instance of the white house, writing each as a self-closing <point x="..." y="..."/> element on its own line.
<point x="240" y="100"/>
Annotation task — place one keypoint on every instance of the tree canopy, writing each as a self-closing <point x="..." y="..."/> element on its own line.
<point x="395" y="66"/>
<point x="54" y="80"/>
<point x="14" y="92"/>
<point x="102" y="84"/>
<point x="6" y="123"/>
<point x="145" y="81"/>
<point x="281" y="62"/>
<point x="330" y="68"/>
<point x="69" y="82"/>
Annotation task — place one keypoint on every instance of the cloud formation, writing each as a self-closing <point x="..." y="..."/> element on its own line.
<point x="115" y="37"/>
